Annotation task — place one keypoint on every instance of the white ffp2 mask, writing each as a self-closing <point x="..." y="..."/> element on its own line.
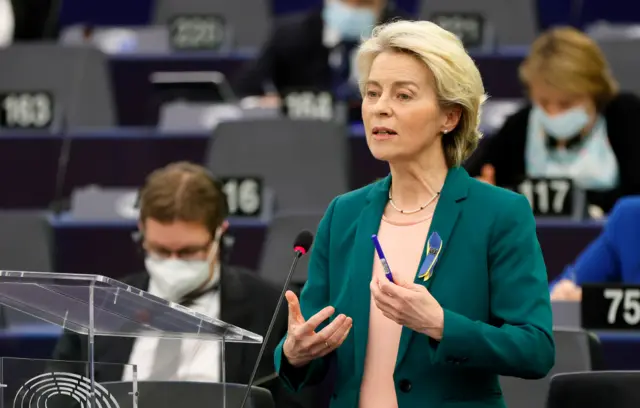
<point x="176" y="278"/>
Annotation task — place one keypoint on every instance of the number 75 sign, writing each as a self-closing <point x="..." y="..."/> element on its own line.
<point x="610" y="306"/>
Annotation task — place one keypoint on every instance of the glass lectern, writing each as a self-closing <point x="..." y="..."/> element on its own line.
<point x="95" y="305"/>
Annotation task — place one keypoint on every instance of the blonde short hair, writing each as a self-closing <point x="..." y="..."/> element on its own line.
<point x="569" y="60"/>
<point x="458" y="81"/>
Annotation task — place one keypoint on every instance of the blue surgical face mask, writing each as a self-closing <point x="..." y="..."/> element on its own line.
<point x="350" y="22"/>
<point x="565" y="125"/>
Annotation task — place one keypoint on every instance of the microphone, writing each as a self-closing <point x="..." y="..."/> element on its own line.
<point x="301" y="246"/>
<point x="59" y="204"/>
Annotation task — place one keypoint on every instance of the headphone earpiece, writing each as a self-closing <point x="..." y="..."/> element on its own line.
<point x="136" y="204"/>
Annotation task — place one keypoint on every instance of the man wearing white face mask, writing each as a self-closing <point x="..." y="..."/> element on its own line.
<point x="578" y="125"/>
<point x="182" y="221"/>
<point x="176" y="278"/>
<point x="314" y="50"/>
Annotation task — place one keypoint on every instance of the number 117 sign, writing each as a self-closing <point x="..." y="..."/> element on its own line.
<point x="548" y="197"/>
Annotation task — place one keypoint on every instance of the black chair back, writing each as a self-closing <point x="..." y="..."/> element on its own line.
<point x="575" y="350"/>
<point x="277" y="248"/>
<point x="172" y="394"/>
<point x="611" y="389"/>
<point x="595" y="350"/>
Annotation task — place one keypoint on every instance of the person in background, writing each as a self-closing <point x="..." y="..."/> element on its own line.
<point x="36" y="20"/>
<point x="578" y="125"/>
<point x="182" y="220"/>
<point x="612" y="257"/>
<point x="313" y="51"/>
<point x="7" y="23"/>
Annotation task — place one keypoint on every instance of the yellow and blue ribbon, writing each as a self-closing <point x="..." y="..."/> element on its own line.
<point x="434" y="245"/>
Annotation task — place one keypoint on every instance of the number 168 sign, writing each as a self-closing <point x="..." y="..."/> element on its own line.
<point x="610" y="306"/>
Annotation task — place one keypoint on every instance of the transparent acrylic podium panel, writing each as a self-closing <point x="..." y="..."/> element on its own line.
<point x="94" y="305"/>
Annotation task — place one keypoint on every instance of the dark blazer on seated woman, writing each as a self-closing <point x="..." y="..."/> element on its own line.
<point x="490" y="280"/>
<point x="506" y="150"/>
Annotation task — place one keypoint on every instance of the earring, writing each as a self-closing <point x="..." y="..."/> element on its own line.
<point x="445" y="131"/>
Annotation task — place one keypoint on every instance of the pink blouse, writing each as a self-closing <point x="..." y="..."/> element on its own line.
<point x="403" y="243"/>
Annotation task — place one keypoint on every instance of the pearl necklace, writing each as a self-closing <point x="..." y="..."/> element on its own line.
<point x="436" y="195"/>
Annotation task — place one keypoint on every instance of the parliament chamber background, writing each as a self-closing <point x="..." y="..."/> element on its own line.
<point x="70" y="175"/>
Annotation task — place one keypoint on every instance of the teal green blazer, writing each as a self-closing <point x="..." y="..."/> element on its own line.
<point x="490" y="280"/>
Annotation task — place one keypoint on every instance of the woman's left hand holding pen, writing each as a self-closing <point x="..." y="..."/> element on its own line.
<point x="410" y="305"/>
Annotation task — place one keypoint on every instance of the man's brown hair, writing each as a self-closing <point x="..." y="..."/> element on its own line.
<point x="183" y="191"/>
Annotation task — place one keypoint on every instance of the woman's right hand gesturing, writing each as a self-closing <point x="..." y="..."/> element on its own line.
<point x="303" y="344"/>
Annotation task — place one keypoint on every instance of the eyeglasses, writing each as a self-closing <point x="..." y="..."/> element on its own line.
<point x="187" y="253"/>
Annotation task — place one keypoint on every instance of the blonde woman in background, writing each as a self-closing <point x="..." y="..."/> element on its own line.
<point x="464" y="298"/>
<point x="577" y="126"/>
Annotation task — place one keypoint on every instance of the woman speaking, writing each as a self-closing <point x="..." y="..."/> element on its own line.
<point x="427" y="285"/>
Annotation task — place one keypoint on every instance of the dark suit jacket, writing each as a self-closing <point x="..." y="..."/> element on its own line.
<point x="35" y="19"/>
<point x="490" y="280"/>
<point x="294" y="56"/>
<point x="246" y="301"/>
<point x="506" y="150"/>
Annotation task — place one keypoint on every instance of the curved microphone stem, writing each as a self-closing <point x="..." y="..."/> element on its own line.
<point x="298" y="255"/>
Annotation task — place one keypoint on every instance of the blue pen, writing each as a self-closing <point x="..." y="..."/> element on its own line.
<point x="383" y="259"/>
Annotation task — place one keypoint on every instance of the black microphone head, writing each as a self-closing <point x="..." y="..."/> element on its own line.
<point x="303" y="242"/>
